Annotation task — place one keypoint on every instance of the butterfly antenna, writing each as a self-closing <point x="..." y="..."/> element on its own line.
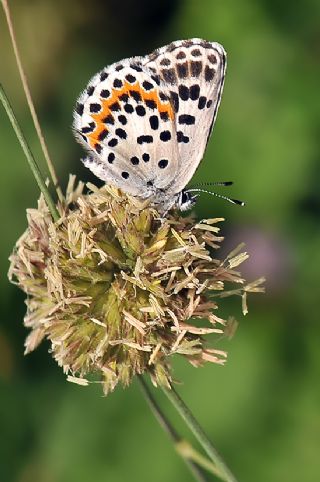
<point x="216" y="183"/>
<point x="229" y="199"/>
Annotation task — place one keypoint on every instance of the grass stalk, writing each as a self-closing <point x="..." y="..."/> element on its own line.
<point x="27" y="92"/>
<point x="30" y="158"/>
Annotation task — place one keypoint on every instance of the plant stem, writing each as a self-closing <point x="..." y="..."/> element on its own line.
<point x="31" y="161"/>
<point x="30" y="102"/>
<point x="198" y="432"/>
<point x="169" y="429"/>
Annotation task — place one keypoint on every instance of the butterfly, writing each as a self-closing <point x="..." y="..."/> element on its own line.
<point x="146" y="121"/>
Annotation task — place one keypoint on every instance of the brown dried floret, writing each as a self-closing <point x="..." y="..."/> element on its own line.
<point x="116" y="289"/>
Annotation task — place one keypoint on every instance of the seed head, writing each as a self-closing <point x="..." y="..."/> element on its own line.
<point x="117" y="290"/>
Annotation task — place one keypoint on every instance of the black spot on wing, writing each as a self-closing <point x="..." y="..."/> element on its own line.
<point x="144" y="139"/>
<point x="206" y="44"/>
<point x="94" y="107"/>
<point x="88" y="128"/>
<point x="111" y="157"/>
<point x="109" y="119"/>
<point x="134" y="160"/>
<point x="121" y="133"/>
<point x="131" y="78"/>
<point x="183" y="92"/>
<point x="165" y="62"/>
<point x="196" y="68"/>
<point x="156" y="79"/>
<point x="147" y="85"/>
<point x="169" y="75"/>
<point x="122" y="119"/>
<point x="154" y="122"/>
<point x="114" y="107"/>
<point x="194" y="92"/>
<point x="104" y="76"/>
<point x="103" y="134"/>
<point x="196" y="52"/>
<point x="209" y="73"/>
<point x="145" y="157"/>
<point x="182" y="138"/>
<point x="137" y="68"/>
<point x="164" y="116"/>
<point x="186" y="119"/>
<point x="151" y="104"/>
<point x="90" y="90"/>
<point x="105" y="93"/>
<point x="163" y="97"/>
<point x="165" y="136"/>
<point x="117" y="83"/>
<point x="202" y="102"/>
<point x="128" y="108"/>
<point x="182" y="70"/>
<point x="124" y="97"/>
<point x="163" y="163"/>
<point x="175" y="100"/>
<point x="135" y="95"/>
<point x="188" y="43"/>
<point x="113" y="142"/>
<point x="140" y="110"/>
<point x="181" y="55"/>
<point x="79" y="108"/>
<point x="212" y="59"/>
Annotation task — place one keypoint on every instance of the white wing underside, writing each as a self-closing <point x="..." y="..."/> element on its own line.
<point x="145" y="121"/>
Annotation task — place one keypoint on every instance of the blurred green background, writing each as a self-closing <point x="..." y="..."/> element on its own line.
<point x="262" y="408"/>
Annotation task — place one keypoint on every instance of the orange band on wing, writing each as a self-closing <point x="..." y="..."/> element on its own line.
<point x="162" y="107"/>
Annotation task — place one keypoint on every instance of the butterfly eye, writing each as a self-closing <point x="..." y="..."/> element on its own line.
<point x="186" y="200"/>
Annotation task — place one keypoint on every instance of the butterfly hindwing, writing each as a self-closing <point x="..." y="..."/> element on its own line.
<point x="126" y="122"/>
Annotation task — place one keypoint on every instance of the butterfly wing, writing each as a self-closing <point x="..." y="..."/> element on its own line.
<point x="125" y="120"/>
<point x="192" y="72"/>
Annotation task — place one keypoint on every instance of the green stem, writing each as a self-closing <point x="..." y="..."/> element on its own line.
<point x="27" y="92"/>
<point x="31" y="161"/>
<point x="169" y="429"/>
<point x="198" y="432"/>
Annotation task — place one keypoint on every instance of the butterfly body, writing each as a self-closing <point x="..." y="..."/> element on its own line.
<point x="146" y="121"/>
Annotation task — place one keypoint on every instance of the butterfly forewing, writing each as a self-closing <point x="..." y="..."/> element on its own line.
<point x="193" y="72"/>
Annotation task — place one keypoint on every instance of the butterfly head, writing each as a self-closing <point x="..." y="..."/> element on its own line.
<point x="182" y="201"/>
<point x="185" y="200"/>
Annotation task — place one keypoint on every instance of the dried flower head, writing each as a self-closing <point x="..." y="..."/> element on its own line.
<point x="117" y="290"/>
